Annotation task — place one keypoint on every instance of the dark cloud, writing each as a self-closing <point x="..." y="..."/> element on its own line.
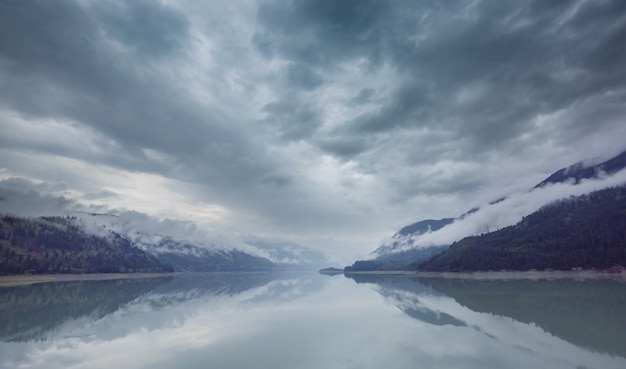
<point x="277" y="180"/>
<point x="526" y="59"/>
<point x="304" y="115"/>
<point x="303" y="77"/>
<point x="59" y="65"/>
<point x="343" y="147"/>
<point x="409" y="105"/>
<point x="321" y="33"/>
<point x="149" y="28"/>
<point x="363" y="96"/>
<point x="294" y="119"/>
<point x="21" y="196"/>
<point x="26" y="185"/>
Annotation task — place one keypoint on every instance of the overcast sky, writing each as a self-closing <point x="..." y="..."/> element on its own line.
<point x="328" y="123"/>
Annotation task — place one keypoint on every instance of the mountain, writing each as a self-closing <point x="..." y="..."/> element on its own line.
<point x="396" y="261"/>
<point x="101" y="243"/>
<point x="587" y="232"/>
<point x="59" y="245"/>
<point x="580" y="171"/>
<point x="187" y="257"/>
<point x="189" y="249"/>
<point x="402" y="249"/>
<point x="183" y="255"/>
<point x="288" y="255"/>
<point x="252" y="254"/>
<point x="404" y="238"/>
<point x="399" y="252"/>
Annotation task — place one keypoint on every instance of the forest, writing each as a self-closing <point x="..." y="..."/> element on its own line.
<point x="58" y="245"/>
<point x="586" y="232"/>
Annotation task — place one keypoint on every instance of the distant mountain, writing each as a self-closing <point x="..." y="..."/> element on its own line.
<point x="197" y="251"/>
<point x="404" y="237"/>
<point x="579" y="171"/>
<point x="75" y="245"/>
<point x="396" y="261"/>
<point x="187" y="257"/>
<point x="587" y="232"/>
<point x="288" y="255"/>
<point x="257" y="256"/>
<point x="399" y="251"/>
<point x="59" y="245"/>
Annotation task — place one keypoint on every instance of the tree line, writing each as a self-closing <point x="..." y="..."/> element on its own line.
<point x="58" y="245"/>
<point x="586" y="232"/>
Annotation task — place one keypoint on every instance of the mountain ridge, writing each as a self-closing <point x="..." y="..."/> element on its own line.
<point x="587" y="232"/>
<point x="253" y="255"/>
<point x="399" y="251"/>
<point x="58" y="245"/>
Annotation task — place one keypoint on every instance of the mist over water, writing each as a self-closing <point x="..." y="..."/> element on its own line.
<point x="312" y="321"/>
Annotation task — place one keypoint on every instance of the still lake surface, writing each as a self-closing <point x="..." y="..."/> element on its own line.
<point x="314" y="321"/>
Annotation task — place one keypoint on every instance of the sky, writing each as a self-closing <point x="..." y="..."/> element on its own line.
<point x="327" y="123"/>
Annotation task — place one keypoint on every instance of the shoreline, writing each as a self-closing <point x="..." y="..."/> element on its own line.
<point x="531" y="274"/>
<point x="510" y="275"/>
<point x="29" y="279"/>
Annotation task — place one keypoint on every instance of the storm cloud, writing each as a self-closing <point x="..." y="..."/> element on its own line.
<point x="332" y="123"/>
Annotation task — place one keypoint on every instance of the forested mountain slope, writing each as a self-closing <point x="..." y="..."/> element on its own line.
<point x="583" y="232"/>
<point x="57" y="245"/>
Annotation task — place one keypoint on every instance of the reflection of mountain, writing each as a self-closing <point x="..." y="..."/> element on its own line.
<point x="289" y="288"/>
<point x="590" y="313"/>
<point x="27" y="312"/>
<point x="406" y="293"/>
<point x="34" y="312"/>
<point x="432" y="317"/>
<point x="199" y="285"/>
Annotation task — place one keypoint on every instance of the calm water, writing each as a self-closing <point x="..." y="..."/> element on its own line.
<point x="314" y="321"/>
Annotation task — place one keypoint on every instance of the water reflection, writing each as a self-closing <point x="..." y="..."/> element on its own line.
<point x="406" y="292"/>
<point x="590" y="314"/>
<point x="29" y="312"/>
<point x="35" y="312"/>
<point x="311" y="321"/>
<point x="587" y="313"/>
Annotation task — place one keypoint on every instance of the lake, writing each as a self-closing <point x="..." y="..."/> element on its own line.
<point x="314" y="321"/>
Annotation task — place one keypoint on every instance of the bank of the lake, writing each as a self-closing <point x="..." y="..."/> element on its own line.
<point x="617" y="274"/>
<point x="532" y="274"/>
<point x="27" y="279"/>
